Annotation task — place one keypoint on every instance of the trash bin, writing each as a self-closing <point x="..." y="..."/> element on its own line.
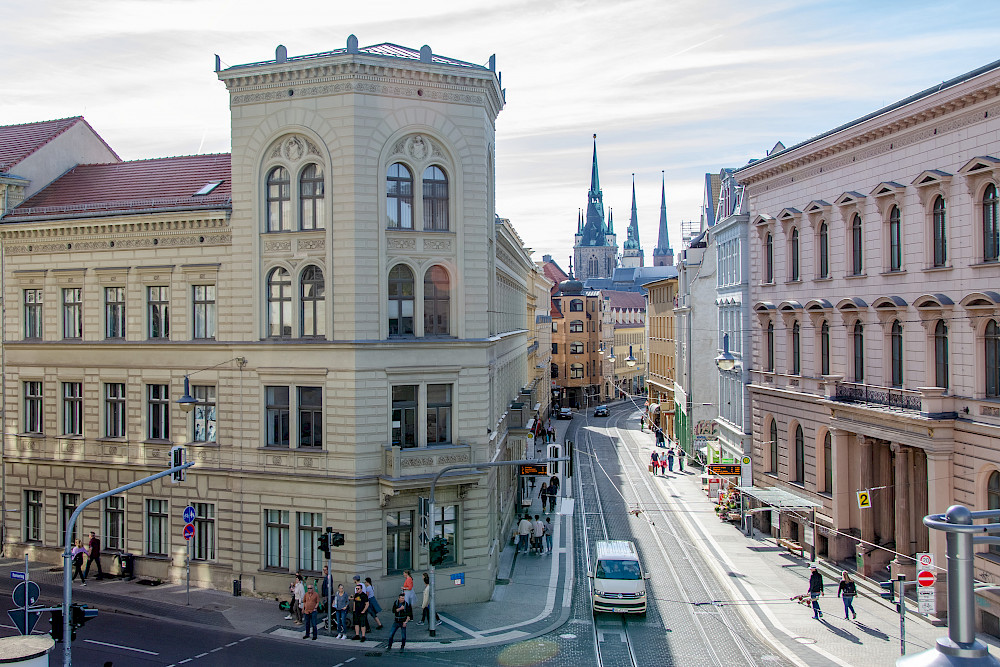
<point x="237" y="588"/>
<point x="126" y="563"/>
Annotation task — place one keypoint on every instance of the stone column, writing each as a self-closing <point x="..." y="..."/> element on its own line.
<point x="940" y="496"/>
<point x="883" y="499"/>
<point x="918" y="489"/>
<point x="903" y="516"/>
<point x="867" y="515"/>
<point x="843" y="494"/>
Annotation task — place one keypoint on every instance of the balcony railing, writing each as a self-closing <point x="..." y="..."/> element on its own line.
<point x="853" y="392"/>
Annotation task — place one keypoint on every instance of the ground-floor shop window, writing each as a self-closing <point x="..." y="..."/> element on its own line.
<point x="398" y="541"/>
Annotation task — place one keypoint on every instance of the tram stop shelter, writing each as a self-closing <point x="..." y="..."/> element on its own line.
<point x="773" y="498"/>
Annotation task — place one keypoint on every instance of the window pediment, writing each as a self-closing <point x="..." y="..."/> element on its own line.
<point x="853" y="303"/>
<point x="849" y="198"/>
<point x="980" y="164"/>
<point x="931" y="177"/>
<point x="886" y="188"/>
<point x="762" y="219"/>
<point x="789" y="214"/>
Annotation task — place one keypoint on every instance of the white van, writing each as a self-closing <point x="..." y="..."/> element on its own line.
<point x="618" y="580"/>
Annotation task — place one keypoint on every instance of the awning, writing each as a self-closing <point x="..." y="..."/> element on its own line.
<point x="779" y="498"/>
<point x="653" y="407"/>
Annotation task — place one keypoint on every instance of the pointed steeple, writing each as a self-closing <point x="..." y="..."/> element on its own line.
<point x="663" y="254"/>
<point x="595" y="229"/>
<point x="632" y="240"/>
<point x="579" y="221"/>
<point x="595" y="183"/>
<point x="611" y="220"/>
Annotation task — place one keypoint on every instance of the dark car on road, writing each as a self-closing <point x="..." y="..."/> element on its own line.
<point x="565" y="413"/>
<point x="601" y="411"/>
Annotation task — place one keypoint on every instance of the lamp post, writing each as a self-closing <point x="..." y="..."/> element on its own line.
<point x="725" y="361"/>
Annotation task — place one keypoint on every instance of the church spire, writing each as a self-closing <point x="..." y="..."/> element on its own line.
<point x="663" y="254"/>
<point x="632" y="240"/>
<point x="595" y="183"/>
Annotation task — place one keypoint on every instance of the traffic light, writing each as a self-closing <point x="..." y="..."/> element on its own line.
<point x="337" y="539"/>
<point x="177" y="458"/>
<point x="57" y="625"/>
<point x="439" y="550"/>
<point x="79" y="615"/>
<point x="887" y="592"/>
<point x="324" y="544"/>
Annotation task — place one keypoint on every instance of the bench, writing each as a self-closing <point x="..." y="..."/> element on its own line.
<point x="792" y="546"/>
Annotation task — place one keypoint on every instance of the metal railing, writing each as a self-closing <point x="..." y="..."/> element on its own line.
<point x="892" y="397"/>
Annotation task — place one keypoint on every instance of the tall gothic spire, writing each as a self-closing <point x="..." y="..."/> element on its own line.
<point x="663" y="242"/>
<point x="595" y="183"/>
<point x="595" y="229"/>
<point x="632" y="240"/>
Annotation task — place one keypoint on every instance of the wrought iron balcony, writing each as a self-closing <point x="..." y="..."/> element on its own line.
<point x="904" y="399"/>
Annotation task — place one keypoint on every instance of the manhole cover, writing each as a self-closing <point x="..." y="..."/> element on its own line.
<point x="804" y="640"/>
<point x="568" y="635"/>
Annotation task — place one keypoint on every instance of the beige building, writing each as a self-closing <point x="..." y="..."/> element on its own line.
<point x="349" y="313"/>
<point x="661" y="299"/>
<point x="876" y="341"/>
<point x="627" y="315"/>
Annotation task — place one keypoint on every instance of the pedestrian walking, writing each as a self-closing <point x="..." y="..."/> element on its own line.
<point x="408" y="588"/>
<point x="341" y="602"/>
<point x="815" y="591"/>
<point x="553" y="492"/>
<point x="659" y="437"/>
<point x="654" y="463"/>
<point x="548" y="535"/>
<point x="539" y="533"/>
<point x="310" y="605"/>
<point x="681" y="455"/>
<point x="94" y="555"/>
<point x="373" y="607"/>
<point x="523" y="532"/>
<point x="298" y="595"/>
<point x="543" y="493"/>
<point x="847" y="590"/>
<point x="402" y="613"/>
<point x="670" y="459"/>
<point x="360" y="604"/>
<point x="78" y="552"/>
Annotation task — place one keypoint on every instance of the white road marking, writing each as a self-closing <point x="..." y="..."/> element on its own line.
<point x="231" y="644"/>
<point x="201" y="655"/>
<point x="350" y="660"/>
<point x="184" y="661"/>
<point x="339" y="664"/>
<point x="124" y="648"/>
<point x="216" y="650"/>
<point x="246" y="638"/>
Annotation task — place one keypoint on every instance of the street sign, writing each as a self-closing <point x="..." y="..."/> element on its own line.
<point x="424" y="523"/>
<point x="926" y="578"/>
<point x="925" y="560"/>
<point x="188" y="531"/>
<point x="458" y="579"/>
<point x="926" y="593"/>
<point x="535" y="469"/>
<point x="745" y="460"/>
<point x="17" y="575"/>
<point x="864" y="499"/>
<point x="724" y="469"/>
<point x="188" y="514"/>
<point x="24" y="622"/>
<point x="32" y="590"/>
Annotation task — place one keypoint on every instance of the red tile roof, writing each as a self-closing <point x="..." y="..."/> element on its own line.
<point x="625" y="300"/>
<point x="19" y="141"/>
<point x="110" y="189"/>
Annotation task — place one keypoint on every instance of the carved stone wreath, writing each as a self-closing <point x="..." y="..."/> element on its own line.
<point x="293" y="148"/>
<point x="418" y="147"/>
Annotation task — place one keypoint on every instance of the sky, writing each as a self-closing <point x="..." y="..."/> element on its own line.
<point x="672" y="88"/>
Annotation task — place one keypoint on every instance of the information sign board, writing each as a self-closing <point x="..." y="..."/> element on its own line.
<point x="864" y="499"/>
<point x="535" y="469"/>
<point x="724" y="469"/>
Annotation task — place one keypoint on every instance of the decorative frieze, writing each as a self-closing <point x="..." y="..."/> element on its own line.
<point x="438" y="245"/>
<point x="311" y="244"/>
<point x="402" y="244"/>
<point x="117" y="244"/>
<point x="278" y="246"/>
<point x="356" y="87"/>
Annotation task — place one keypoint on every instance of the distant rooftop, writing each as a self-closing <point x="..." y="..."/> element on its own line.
<point x="19" y="141"/>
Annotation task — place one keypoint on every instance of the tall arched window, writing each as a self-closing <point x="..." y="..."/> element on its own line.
<point x="770" y="347"/>
<point x="312" y="295"/>
<point x="824" y="348"/>
<point x="992" y="342"/>
<point x="400" y="301"/>
<point x="768" y="258"/>
<point x="279" y="200"/>
<point x="828" y="463"/>
<point x="896" y="345"/>
<point x="941" y="355"/>
<point x="800" y="455"/>
<point x="437" y="302"/>
<point x="793" y="251"/>
<point x="279" y="304"/>
<point x="940" y="233"/>
<point x="824" y="250"/>
<point x="991" y="226"/>
<point x="311" y="198"/>
<point x="857" y="244"/>
<point x="858" y="340"/>
<point x="399" y="197"/>
<point x="796" y="349"/>
<point x="895" y="241"/>
<point x="993" y="500"/>
<point x="774" y="446"/>
<point x="593" y="267"/>
<point x="435" y="199"/>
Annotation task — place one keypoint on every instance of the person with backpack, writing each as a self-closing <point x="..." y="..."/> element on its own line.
<point x="815" y="591"/>
<point x="78" y="552"/>
<point x="402" y="613"/>
<point x="847" y="590"/>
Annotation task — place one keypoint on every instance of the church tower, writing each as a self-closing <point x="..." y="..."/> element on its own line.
<point x="663" y="254"/>
<point x="632" y="256"/>
<point x="595" y="251"/>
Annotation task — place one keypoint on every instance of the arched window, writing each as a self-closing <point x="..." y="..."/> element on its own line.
<point x="768" y="258"/>
<point x="895" y="241"/>
<point x="576" y="306"/>
<point x="576" y="371"/>
<point x="554" y="370"/>
<point x="796" y="350"/>
<point x="793" y="252"/>
<point x="437" y="302"/>
<point x="858" y="336"/>
<point x="774" y="446"/>
<point x="800" y="455"/>
<point x="828" y="463"/>
<point x="312" y="294"/>
<point x="593" y="267"/>
<point x="941" y="355"/>
<point x="940" y="231"/>
<point x="992" y="342"/>
<point x="896" y="345"/>
<point x="993" y="500"/>
<point x="770" y="347"/>
<point x="435" y="199"/>
<point x="991" y="226"/>
<point x="311" y="192"/>
<point x="824" y="348"/>
<point x="279" y="304"/>
<point x="576" y="347"/>
<point x="576" y="326"/>
<point x="279" y="200"/>
<point x="824" y="250"/>
<point x="399" y="197"/>
<point x="857" y="243"/>
<point x="400" y="301"/>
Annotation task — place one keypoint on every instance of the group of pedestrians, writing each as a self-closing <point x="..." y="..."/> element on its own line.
<point x="662" y="462"/>
<point x="548" y="493"/>
<point x="847" y="591"/>
<point x="534" y="536"/>
<point x="93" y="553"/>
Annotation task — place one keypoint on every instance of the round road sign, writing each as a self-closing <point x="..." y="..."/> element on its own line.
<point x="926" y="559"/>
<point x="32" y="590"/>
<point x="926" y="578"/>
<point x="188" y="531"/>
<point x="188" y="514"/>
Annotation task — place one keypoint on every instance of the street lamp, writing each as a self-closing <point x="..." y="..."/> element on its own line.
<point x="187" y="401"/>
<point x="600" y="348"/>
<point x="612" y="358"/>
<point x="725" y="361"/>
<point x="630" y="360"/>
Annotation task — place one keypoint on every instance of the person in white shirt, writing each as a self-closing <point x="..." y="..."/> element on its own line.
<point x="523" y="531"/>
<point x="539" y="531"/>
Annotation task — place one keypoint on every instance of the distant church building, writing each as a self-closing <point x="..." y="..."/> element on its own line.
<point x="663" y="254"/>
<point x="632" y="257"/>
<point x="595" y="253"/>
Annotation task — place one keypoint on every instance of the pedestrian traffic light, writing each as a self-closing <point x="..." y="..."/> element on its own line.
<point x="178" y="457"/>
<point x="887" y="590"/>
<point x="57" y="625"/>
<point x="337" y="539"/>
<point x="438" y="550"/>
<point x="324" y="544"/>
<point x="79" y="615"/>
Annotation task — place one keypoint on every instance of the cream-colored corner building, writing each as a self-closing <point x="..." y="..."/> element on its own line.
<point x="876" y="336"/>
<point x="661" y="299"/>
<point x="349" y="312"/>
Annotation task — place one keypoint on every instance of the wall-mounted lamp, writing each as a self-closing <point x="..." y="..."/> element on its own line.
<point x="187" y="401"/>
<point x="630" y="360"/>
<point x="725" y="361"/>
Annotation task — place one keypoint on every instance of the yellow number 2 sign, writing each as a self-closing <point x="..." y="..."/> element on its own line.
<point x="864" y="499"/>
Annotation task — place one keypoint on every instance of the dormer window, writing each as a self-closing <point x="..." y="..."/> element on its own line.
<point x="207" y="188"/>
